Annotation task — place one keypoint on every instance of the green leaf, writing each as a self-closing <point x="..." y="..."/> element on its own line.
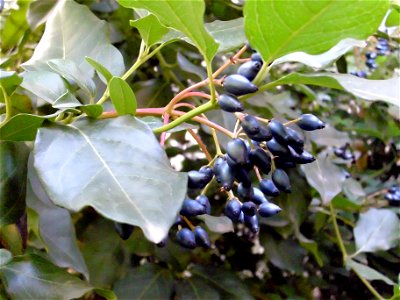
<point x="11" y="239"/>
<point x="55" y="226"/>
<point x="321" y="61"/>
<point x="39" y="12"/>
<point x="14" y="26"/>
<point x="154" y="122"/>
<point x="71" y="72"/>
<point x="185" y="16"/>
<point x="68" y="40"/>
<point x="101" y="70"/>
<point x="37" y="278"/>
<point x="226" y="282"/>
<point x="386" y="90"/>
<point x="13" y="162"/>
<point x="5" y="257"/>
<point x="48" y="86"/>
<point x="92" y="110"/>
<point x="125" y="174"/>
<point x="145" y="282"/>
<point x="122" y="96"/>
<point x="217" y="224"/>
<point x="195" y="288"/>
<point x="111" y="59"/>
<point x="367" y="272"/>
<point x="67" y="100"/>
<point x="108" y="294"/>
<point x="316" y="174"/>
<point x="276" y="28"/>
<point x="105" y="248"/>
<point x="22" y="127"/>
<point x="311" y="246"/>
<point x="376" y="229"/>
<point x="9" y="80"/>
<point x="150" y="29"/>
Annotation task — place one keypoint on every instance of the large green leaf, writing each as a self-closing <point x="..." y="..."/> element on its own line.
<point x="316" y="174"/>
<point x="55" y="226"/>
<point x="111" y="59"/>
<point x="146" y="282"/>
<point x="9" y="80"/>
<point x="367" y="272"/>
<point x="13" y="162"/>
<point x="387" y="90"/>
<point x="150" y="29"/>
<point x="37" y="278"/>
<point x="67" y="39"/>
<point x="276" y="28"/>
<point x="377" y="229"/>
<point x="185" y="16"/>
<point x="122" y="96"/>
<point x="116" y="166"/>
<point x="196" y="288"/>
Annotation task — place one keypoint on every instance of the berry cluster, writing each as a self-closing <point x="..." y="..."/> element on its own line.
<point x="393" y="195"/>
<point x="344" y="152"/>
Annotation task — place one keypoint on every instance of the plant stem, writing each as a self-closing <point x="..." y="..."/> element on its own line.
<point x="369" y="286"/>
<point x="211" y="82"/>
<point x="202" y="146"/>
<point x="337" y="232"/>
<point x="187" y="116"/>
<point x="8" y="103"/>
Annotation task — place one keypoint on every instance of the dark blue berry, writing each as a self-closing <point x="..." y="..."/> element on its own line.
<point x="233" y="208"/>
<point x="309" y="122"/>
<point x="249" y="69"/>
<point x="186" y="238"/>
<point x="197" y="179"/>
<point x="268" y="209"/>
<point x="370" y="63"/>
<point x="250" y="125"/>
<point x="191" y="208"/>
<point x="256" y="57"/>
<point x="295" y="140"/>
<point x="230" y="103"/>
<point x="278" y="131"/>
<point x="281" y="180"/>
<point x="262" y="136"/>
<point x="249" y="208"/>
<point x="252" y="223"/>
<point x="258" y="197"/>
<point x="371" y="55"/>
<point x="303" y="158"/>
<point x="201" y="237"/>
<point x="208" y="171"/>
<point x="268" y="188"/>
<point x="238" y="85"/>
<point x="237" y="151"/>
<point x="244" y="193"/>
<point x="261" y="160"/>
<point x="225" y="175"/>
<point x="243" y="176"/>
<point x="203" y="200"/>
<point x="277" y="148"/>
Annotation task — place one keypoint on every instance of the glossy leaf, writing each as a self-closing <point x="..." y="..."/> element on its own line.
<point x="14" y="26"/>
<point x="67" y="100"/>
<point x="9" y="80"/>
<point x="145" y="282"/>
<point x="101" y="70"/>
<point x="39" y="12"/>
<point x="71" y="72"/>
<point x="276" y="28"/>
<point x="55" y="226"/>
<point x="64" y="39"/>
<point x="110" y="58"/>
<point x="367" y="272"/>
<point x="385" y="90"/>
<point x="13" y="162"/>
<point x="196" y="288"/>
<point x="150" y="29"/>
<point x="22" y="127"/>
<point x="37" y="278"/>
<point x="185" y="16"/>
<point x="92" y="110"/>
<point x="122" y="96"/>
<point x="217" y="224"/>
<point x="46" y="85"/>
<point x="115" y="166"/>
<point x="317" y="176"/>
<point x="377" y="229"/>
<point x="321" y="61"/>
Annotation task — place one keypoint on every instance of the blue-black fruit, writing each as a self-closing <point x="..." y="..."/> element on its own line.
<point x="262" y="136"/>
<point x="225" y="175"/>
<point x="186" y="238"/>
<point x="256" y="57"/>
<point x="249" y="69"/>
<point x="249" y="208"/>
<point x="243" y="176"/>
<point x="201" y="237"/>
<point x="295" y="140"/>
<point x="238" y="85"/>
<point x="268" y="188"/>
<point x="258" y="197"/>
<point x="250" y="125"/>
<point x="277" y="148"/>
<point x="191" y="208"/>
<point x="244" y="193"/>
<point x="124" y="230"/>
<point x="252" y="223"/>
<point x="303" y="158"/>
<point x="197" y="179"/>
<point x="261" y="160"/>
<point x="203" y="200"/>
<point x="370" y="63"/>
<point x="393" y="189"/>
<point x="278" y="131"/>
<point x="233" y="208"/>
<point x="237" y="151"/>
<point x="241" y="218"/>
<point x="268" y="209"/>
<point x="284" y="163"/>
<point x="281" y="180"/>
<point x="371" y="55"/>
<point x="309" y="122"/>
<point x="208" y="171"/>
<point x="230" y="103"/>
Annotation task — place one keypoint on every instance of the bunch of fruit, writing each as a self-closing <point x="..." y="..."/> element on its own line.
<point x="393" y="195"/>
